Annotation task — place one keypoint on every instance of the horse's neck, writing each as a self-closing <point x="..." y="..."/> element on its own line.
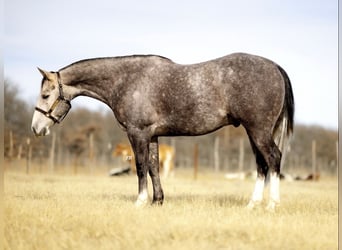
<point x="85" y="82"/>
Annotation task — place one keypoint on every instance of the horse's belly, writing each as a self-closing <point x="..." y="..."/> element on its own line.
<point x="194" y="124"/>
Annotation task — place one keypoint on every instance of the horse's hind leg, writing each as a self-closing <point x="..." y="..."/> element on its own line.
<point x="268" y="157"/>
<point x="158" y="195"/>
<point x="272" y="156"/>
<point x="262" y="169"/>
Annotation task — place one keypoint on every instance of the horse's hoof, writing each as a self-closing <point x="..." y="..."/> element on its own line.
<point x="140" y="203"/>
<point x="271" y="206"/>
<point x="157" y="202"/>
<point x="252" y="204"/>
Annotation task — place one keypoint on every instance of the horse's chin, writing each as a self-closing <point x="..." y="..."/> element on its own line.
<point x="46" y="131"/>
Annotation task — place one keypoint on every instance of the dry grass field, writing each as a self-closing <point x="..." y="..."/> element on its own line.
<point x="97" y="212"/>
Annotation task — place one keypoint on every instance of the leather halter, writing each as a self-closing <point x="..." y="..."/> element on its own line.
<point x="60" y="100"/>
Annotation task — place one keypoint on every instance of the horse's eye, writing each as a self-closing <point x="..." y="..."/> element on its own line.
<point x="45" y="96"/>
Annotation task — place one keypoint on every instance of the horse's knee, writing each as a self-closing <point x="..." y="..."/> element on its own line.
<point x="141" y="170"/>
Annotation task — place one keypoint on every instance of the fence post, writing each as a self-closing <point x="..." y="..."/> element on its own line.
<point x="91" y="151"/>
<point x="216" y="153"/>
<point x="241" y="154"/>
<point x="314" y="163"/>
<point x="20" y="149"/>
<point x="10" y="153"/>
<point x="226" y="147"/>
<point x="28" y="155"/>
<point x="52" y="153"/>
<point x="195" y="161"/>
<point x="173" y="144"/>
<point x="337" y="158"/>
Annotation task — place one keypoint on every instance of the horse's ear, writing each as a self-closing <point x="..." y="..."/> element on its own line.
<point x="46" y="74"/>
<point x="42" y="72"/>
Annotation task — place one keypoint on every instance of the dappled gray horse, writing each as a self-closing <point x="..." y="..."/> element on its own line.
<point x="152" y="96"/>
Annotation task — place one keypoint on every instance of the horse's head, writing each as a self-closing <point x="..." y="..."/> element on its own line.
<point x="52" y="105"/>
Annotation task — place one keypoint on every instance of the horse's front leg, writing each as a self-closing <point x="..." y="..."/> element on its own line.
<point x="158" y="195"/>
<point x="141" y="151"/>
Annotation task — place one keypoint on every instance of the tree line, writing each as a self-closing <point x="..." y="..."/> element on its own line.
<point x="88" y="137"/>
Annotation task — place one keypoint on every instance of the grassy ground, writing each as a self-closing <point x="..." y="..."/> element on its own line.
<point x="97" y="212"/>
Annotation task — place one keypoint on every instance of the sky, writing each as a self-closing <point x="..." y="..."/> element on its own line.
<point x="301" y="36"/>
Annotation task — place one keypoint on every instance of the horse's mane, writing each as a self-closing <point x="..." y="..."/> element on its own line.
<point x="115" y="58"/>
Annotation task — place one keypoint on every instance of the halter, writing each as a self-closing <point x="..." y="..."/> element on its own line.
<point x="60" y="100"/>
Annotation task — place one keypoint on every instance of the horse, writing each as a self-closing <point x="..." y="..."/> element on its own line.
<point x="152" y="96"/>
<point x="166" y="157"/>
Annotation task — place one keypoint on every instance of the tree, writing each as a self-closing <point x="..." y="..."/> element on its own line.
<point x="17" y="118"/>
<point x="17" y="112"/>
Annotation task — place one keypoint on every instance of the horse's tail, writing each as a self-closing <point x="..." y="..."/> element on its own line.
<point x="284" y="125"/>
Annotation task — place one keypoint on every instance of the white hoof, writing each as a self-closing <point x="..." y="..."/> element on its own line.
<point x="140" y="203"/>
<point x="271" y="206"/>
<point x="142" y="199"/>
<point x="252" y="204"/>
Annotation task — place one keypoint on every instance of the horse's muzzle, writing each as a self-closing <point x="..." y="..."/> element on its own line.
<point x="44" y="131"/>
